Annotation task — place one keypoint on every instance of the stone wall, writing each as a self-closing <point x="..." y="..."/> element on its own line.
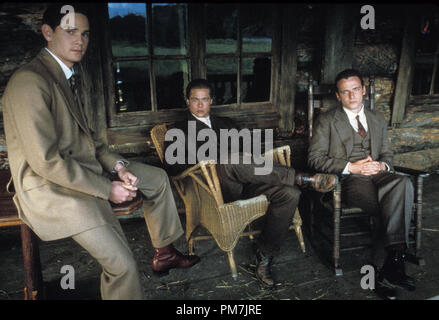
<point x="20" y="41"/>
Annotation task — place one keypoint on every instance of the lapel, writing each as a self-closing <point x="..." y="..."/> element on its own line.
<point x="62" y="84"/>
<point x="374" y="132"/>
<point x="199" y="124"/>
<point x="344" y="130"/>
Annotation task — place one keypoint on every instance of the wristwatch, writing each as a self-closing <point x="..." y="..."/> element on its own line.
<point x="124" y="163"/>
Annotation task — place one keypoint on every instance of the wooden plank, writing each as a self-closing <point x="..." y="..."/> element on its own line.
<point x="339" y="40"/>
<point x="404" y="80"/>
<point x="197" y="41"/>
<point x="287" y="90"/>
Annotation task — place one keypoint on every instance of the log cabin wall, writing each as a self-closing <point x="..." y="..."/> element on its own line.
<point x="300" y="51"/>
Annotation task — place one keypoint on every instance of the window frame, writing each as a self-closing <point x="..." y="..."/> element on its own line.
<point x="196" y="58"/>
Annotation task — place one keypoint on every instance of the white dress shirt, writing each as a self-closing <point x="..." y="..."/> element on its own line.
<point x="205" y="120"/>
<point x="67" y="71"/>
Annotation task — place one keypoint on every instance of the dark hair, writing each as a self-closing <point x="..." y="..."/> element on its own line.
<point x="347" y="74"/>
<point x="52" y="16"/>
<point x="198" y="84"/>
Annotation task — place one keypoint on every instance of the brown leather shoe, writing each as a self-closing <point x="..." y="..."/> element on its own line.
<point x="168" y="257"/>
<point x="320" y="182"/>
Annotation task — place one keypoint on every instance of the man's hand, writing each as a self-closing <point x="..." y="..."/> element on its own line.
<point x="366" y="166"/>
<point x="130" y="180"/>
<point x="120" y="193"/>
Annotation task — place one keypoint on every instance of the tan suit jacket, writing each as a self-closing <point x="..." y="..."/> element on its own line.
<point x="56" y="164"/>
<point x="333" y="140"/>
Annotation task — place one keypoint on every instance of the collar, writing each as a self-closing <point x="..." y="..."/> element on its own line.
<point x="67" y="71"/>
<point x="352" y="115"/>
<point x="205" y="120"/>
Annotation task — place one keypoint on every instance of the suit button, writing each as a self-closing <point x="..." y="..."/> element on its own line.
<point x="70" y="152"/>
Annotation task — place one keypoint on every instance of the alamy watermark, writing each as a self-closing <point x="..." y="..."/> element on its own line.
<point x="251" y="153"/>
<point x="68" y="281"/>
<point x="367" y="281"/>
<point x="368" y="20"/>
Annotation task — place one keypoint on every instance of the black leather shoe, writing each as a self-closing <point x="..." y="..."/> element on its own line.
<point x="320" y="182"/>
<point x="384" y="290"/>
<point x="393" y="272"/>
<point x="263" y="269"/>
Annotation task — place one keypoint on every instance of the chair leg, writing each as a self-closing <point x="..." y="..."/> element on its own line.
<point x="337" y="213"/>
<point x="232" y="264"/>
<point x="299" y="234"/>
<point x="191" y="247"/>
<point x="32" y="264"/>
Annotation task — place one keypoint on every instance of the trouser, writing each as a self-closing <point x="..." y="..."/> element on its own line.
<point x="109" y="246"/>
<point x="159" y="209"/>
<point x="240" y="181"/>
<point x="388" y="197"/>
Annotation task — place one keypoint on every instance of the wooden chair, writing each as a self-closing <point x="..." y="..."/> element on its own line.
<point x="335" y="214"/>
<point x="200" y="190"/>
<point x="30" y="242"/>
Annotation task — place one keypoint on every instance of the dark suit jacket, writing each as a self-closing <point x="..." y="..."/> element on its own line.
<point x="217" y="124"/>
<point x="333" y="140"/>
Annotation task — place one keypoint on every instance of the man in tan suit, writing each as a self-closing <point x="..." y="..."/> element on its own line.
<point x="58" y="165"/>
<point x="352" y="141"/>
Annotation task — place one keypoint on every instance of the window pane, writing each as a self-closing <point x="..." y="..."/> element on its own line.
<point x="256" y="79"/>
<point x="169" y="28"/>
<point x="132" y="92"/>
<point x="257" y="27"/>
<point x="221" y="32"/>
<point x="222" y="74"/>
<point x="172" y="77"/>
<point x="128" y="29"/>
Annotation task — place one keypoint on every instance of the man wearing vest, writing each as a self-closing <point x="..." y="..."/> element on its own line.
<point x="351" y="141"/>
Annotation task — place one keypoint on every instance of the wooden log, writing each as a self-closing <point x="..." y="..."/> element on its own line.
<point x="426" y="160"/>
<point x="423" y="115"/>
<point x="413" y="139"/>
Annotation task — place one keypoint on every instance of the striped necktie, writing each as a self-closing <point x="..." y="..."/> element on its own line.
<point x="361" y="130"/>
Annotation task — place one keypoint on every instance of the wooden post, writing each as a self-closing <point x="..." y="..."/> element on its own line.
<point x="289" y="67"/>
<point x="404" y="80"/>
<point x="196" y="16"/>
<point x="339" y="41"/>
<point x="32" y="266"/>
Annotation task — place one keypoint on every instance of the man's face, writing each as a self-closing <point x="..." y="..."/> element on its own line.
<point x="350" y="93"/>
<point x="69" y="44"/>
<point x="199" y="102"/>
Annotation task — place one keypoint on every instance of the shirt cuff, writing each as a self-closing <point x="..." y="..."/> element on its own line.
<point x="346" y="170"/>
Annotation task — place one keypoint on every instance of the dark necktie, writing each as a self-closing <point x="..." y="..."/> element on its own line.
<point x="361" y="129"/>
<point x="74" y="85"/>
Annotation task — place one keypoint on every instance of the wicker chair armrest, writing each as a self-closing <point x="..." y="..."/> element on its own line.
<point x="280" y="155"/>
<point x="193" y="169"/>
<point x="255" y="201"/>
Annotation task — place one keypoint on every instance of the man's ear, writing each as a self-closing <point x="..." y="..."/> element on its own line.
<point x="47" y="32"/>
<point x="337" y="95"/>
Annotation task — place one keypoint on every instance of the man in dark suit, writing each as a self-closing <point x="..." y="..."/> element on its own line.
<point x="240" y="180"/>
<point x="352" y="141"/>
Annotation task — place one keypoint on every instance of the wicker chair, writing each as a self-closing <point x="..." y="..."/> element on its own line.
<point x="200" y="190"/>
